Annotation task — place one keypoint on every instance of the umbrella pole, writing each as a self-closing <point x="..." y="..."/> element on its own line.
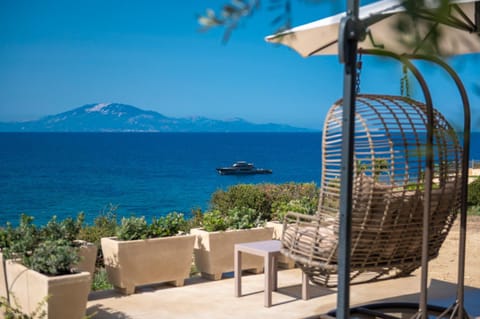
<point x="349" y="34"/>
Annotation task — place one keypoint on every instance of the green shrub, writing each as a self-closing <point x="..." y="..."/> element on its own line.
<point x="473" y="211"/>
<point x="68" y="229"/>
<point x="104" y="225"/>
<point x="53" y="258"/>
<point x="242" y="195"/>
<point x="49" y="250"/>
<point x="132" y="228"/>
<point x="263" y="198"/>
<point x="22" y="240"/>
<point x="214" y="221"/>
<point x="290" y="191"/>
<point x="235" y="218"/>
<point x="288" y="194"/>
<point x="6" y="236"/>
<point x="169" y="225"/>
<point x="196" y="218"/>
<point x="100" y="280"/>
<point x="243" y="218"/>
<point x="473" y="198"/>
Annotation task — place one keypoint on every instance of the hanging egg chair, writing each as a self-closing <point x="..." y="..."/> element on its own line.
<point x="390" y="142"/>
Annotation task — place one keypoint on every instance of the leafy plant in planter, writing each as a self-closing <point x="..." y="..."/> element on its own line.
<point x="132" y="228"/>
<point x="244" y="218"/>
<point x="52" y="258"/>
<point x="170" y="225"/>
<point x="51" y="250"/>
<point x="235" y="218"/>
<point x="220" y="232"/>
<point x="214" y="221"/>
<point x="145" y="253"/>
<point x="40" y="264"/>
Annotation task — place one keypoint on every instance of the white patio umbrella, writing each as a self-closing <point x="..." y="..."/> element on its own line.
<point x="321" y="37"/>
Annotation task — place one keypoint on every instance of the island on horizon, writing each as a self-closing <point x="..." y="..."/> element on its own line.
<point x="116" y="117"/>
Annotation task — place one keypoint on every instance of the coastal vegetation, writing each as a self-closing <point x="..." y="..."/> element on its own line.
<point x="245" y="206"/>
<point x="50" y="248"/>
<point x="271" y="201"/>
<point x="473" y="198"/>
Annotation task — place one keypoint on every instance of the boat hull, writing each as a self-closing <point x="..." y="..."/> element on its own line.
<point x="228" y="171"/>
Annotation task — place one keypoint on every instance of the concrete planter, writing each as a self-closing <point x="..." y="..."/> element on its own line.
<point x="63" y="296"/>
<point x="282" y="260"/>
<point x="140" y="262"/>
<point x="88" y="257"/>
<point x="214" y="250"/>
<point x="3" y="278"/>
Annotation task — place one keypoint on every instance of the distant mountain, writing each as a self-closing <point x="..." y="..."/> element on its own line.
<point x="114" y="117"/>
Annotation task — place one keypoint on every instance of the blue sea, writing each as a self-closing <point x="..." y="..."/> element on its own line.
<point x="151" y="174"/>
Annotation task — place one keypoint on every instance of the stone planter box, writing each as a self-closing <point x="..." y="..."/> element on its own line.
<point x="214" y="250"/>
<point x="3" y="287"/>
<point x="88" y="257"/>
<point x="63" y="296"/>
<point x="139" y="262"/>
<point x="283" y="261"/>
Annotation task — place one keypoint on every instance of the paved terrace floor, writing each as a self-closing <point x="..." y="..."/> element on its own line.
<point x="201" y="298"/>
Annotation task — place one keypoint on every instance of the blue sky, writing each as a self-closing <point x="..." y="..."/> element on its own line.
<point x="56" y="55"/>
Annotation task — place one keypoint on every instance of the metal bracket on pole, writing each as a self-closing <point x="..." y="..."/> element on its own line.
<point x="350" y="29"/>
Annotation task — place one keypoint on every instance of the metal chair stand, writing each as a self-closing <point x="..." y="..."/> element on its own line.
<point x="422" y="309"/>
<point x="306" y="230"/>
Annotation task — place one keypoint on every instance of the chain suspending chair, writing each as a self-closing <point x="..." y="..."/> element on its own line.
<point x="388" y="192"/>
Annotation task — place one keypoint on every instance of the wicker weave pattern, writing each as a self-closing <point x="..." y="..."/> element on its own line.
<point x="390" y="144"/>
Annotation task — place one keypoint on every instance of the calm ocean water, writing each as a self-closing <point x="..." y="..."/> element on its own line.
<point x="151" y="174"/>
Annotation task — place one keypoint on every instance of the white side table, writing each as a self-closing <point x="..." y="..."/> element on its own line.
<point x="269" y="250"/>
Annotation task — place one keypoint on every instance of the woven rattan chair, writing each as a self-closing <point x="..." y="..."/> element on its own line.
<point x="388" y="193"/>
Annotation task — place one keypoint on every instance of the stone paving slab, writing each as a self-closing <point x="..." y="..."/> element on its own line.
<point x="200" y="298"/>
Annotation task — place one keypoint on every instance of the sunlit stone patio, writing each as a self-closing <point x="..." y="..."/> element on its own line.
<point x="200" y="298"/>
